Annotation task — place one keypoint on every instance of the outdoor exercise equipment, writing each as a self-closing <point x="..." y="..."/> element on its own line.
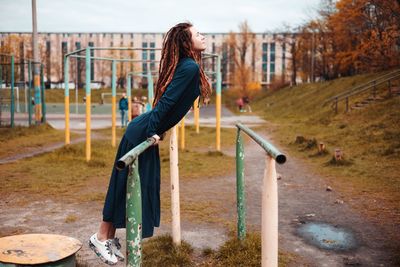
<point x="39" y="95"/>
<point x="269" y="204"/>
<point x="88" y="58"/>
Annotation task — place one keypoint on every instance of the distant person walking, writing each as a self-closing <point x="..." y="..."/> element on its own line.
<point x="246" y="102"/>
<point x="123" y="108"/>
<point x="239" y="103"/>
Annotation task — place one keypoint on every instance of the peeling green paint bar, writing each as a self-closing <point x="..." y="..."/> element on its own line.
<point x="269" y="148"/>
<point x="130" y="157"/>
<point x="134" y="216"/>
<point x="134" y="203"/>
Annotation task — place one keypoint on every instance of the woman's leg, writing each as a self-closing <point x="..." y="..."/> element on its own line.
<point x="106" y="231"/>
<point x="111" y="232"/>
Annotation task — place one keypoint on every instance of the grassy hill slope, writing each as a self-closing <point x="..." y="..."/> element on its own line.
<point x="369" y="178"/>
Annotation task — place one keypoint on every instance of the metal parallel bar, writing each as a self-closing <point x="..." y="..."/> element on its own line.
<point x="66" y="100"/>
<point x="88" y="105"/>
<point x="12" y="92"/>
<point x="115" y="59"/>
<point x="29" y="94"/>
<point x="371" y="86"/>
<point x="129" y="157"/>
<point x="365" y="86"/>
<point x="42" y="97"/>
<point x="75" y="52"/>
<point x="396" y="72"/>
<point x="269" y="148"/>
<point x="122" y="48"/>
<point x="240" y="188"/>
<point x="218" y="105"/>
<point x="128" y="95"/>
<point x="133" y="216"/>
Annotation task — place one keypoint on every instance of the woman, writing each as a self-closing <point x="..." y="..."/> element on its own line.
<point x="181" y="81"/>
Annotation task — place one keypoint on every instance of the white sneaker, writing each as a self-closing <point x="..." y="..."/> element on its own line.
<point x="103" y="250"/>
<point x="116" y="246"/>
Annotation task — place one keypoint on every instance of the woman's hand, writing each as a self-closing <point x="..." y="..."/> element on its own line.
<point x="156" y="138"/>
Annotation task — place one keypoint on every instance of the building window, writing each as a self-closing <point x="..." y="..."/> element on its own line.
<point x="152" y="56"/>
<point x="272" y="61"/>
<point x="264" y="63"/>
<point x="144" y="56"/>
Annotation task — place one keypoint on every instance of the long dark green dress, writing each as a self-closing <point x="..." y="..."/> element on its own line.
<point x="171" y="108"/>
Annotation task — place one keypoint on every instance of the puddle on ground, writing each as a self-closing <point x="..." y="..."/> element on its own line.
<point x="327" y="236"/>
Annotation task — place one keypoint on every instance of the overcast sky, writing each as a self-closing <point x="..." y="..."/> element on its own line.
<point x="153" y="15"/>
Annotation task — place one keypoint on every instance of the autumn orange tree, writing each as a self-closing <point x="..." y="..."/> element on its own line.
<point x="350" y="37"/>
<point x="241" y="73"/>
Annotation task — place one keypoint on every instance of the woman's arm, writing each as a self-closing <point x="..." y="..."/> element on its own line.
<point x="182" y="78"/>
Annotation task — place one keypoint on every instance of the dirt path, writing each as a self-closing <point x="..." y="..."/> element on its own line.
<point x="302" y="199"/>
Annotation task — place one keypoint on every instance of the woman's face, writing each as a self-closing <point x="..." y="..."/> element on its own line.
<point x="198" y="40"/>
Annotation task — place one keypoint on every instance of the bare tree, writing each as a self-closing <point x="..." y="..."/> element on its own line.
<point x="240" y="45"/>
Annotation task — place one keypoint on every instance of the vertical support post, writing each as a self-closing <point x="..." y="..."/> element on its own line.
<point x="269" y="216"/>
<point x="182" y="133"/>
<point x="88" y="104"/>
<point x="66" y="100"/>
<point x="197" y="115"/>
<point x="29" y="93"/>
<point x="240" y="188"/>
<point x="347" y="104"/>
<point x="128" y="94"/>
<point x="42" y="97"/>
<point x="174" y="172"/>
<point x="36" y="72"/>
<point x="114" y="102"/>
<point x="218" y="105"/>
<point x="133" y="217"/>
<point x="77" y="83"/>
<point x="12" y="92"/>
<point x="150" y="90"/>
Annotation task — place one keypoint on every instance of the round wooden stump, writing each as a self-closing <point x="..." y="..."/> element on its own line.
<point x="32" y="249"/>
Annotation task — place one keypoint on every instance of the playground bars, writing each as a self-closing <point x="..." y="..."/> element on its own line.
<point x="269" y="213"/>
